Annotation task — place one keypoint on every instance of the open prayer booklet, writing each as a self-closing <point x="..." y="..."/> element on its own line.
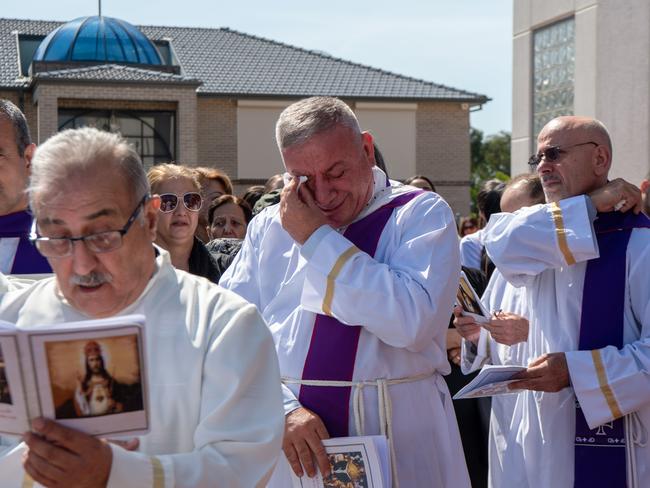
<point x="491" y="380"/>
<point x="87" y="375"/>
<point x="358" y="462"/>
<point x="470" y="302"/>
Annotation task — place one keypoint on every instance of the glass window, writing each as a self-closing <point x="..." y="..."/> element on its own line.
<point x="150" y="132"/>
<point x="553" y="72"/>
<point x="27" y="46"/>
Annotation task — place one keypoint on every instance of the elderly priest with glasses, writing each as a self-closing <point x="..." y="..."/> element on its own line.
<point x="583" y="259"/>
<point x="215" y="403"/>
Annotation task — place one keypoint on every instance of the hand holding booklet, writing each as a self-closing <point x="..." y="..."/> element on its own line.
<point x="469" y="301"/>
<point x="491" y="380"/>
<point x="89" y="376"/>
<point x="355" y="461"/>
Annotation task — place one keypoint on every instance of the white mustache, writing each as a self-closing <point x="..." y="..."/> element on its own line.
<point x="92" y="279"/>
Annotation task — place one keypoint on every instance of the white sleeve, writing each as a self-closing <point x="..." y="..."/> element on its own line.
<point x="474" y="357"/>
<point x="406" y="297"/>
<point x="533" y="239"/>
<point x="611" y="382"/>
<point x="238" y="438"/>
<point x="242" y="276"/>
<point x="470" y="251"/>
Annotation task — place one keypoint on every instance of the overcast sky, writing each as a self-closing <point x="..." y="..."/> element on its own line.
<point x="465" y="44"/>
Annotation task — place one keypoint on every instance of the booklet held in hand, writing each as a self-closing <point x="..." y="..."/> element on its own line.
<point x="89" y="376"/>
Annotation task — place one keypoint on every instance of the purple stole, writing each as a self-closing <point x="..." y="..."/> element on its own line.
<point x="333" y="347"/>
<point x="27" y="260"/>
<point x="600" y="453"/>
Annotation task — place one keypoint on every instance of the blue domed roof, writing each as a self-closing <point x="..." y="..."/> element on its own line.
<point x="100" y="39"/>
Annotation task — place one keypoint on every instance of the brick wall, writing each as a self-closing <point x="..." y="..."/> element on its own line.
<point x="217" y="134"/>
<point x="48" y="95"/>
<point x="27" y="107"/>
<point x="443" y="152"/>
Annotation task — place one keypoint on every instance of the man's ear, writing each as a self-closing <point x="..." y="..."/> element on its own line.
<point x="645" y="184"/>
<point x="602" y="160"/>
<point x="28" y="155"/>
<point x="368" y="146"/>
<point x="151" y="208"/>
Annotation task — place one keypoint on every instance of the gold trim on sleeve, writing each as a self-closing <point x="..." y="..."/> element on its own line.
<point x="331" y="278"/>
<point x="604" y="386"/>
<point x="158" y="473"/>
<point x="28" y="482"/>
<point x="561" y="234"/>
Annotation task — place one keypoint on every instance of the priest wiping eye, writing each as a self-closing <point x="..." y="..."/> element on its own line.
<point x="214" y="401"/>
<point x="356" y="276"/>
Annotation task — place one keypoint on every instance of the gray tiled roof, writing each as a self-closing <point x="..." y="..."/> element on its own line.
<point x="227" y="62"/>
<point x="115" y="73"/>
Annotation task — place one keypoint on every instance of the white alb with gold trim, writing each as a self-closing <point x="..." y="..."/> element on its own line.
<point x="532" y="248"/>
<point x="403" y="299"/>
<point x="215" y="403"/>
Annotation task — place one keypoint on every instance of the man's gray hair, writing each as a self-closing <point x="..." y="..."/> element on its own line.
<point x="311" y="116"/>
<point x="16" y="118"/>
<point x="79" y="151"/>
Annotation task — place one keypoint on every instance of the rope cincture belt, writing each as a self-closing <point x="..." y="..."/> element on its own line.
<point x="384" y="404"/>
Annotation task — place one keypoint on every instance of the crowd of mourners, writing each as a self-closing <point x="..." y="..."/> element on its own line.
<point x="324" y="304"/>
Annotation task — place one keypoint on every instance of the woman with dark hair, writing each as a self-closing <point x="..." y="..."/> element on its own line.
<point x="228" y="216"/>
<point x="467" y="225"/>
<point x="420" y="181"/>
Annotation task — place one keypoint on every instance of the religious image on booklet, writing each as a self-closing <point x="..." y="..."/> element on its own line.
<point x="356" y="462"/>
<point x="86" y="375"/>
<point x="469" y="301"/>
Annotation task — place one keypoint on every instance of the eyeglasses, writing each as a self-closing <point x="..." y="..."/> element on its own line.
<point x="60" y="247"/>
<point x="553" y="153"/>
<point x="191" y="200"/>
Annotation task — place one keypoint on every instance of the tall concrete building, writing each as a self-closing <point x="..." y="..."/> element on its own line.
<point x="583" y="57"/>
<point x="211" y="97"/>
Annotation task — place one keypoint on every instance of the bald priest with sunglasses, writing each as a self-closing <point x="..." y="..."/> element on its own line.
<point x="215" y="416"/>
<point x="583" y="259"/>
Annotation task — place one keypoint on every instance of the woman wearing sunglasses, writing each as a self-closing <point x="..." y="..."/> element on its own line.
<point x="178" y="218"/>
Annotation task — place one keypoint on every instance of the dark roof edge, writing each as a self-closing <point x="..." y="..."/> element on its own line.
<point x="262" y="96"/>
<point x="170" y="83"/>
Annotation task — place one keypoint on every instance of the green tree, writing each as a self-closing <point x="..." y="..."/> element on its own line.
<point x="490" y="158"/>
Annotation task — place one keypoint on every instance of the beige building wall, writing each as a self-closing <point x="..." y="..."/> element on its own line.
<point x="612" y="75"/>
<point x="257" y="153"/>
<point x="393" y="126"/>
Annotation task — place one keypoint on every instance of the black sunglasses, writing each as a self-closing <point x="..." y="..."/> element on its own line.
<point x="191" y="200"/>
<point x="553" y="153"/>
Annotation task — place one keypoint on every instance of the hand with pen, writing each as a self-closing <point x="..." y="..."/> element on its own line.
<point x="505" y="327"/>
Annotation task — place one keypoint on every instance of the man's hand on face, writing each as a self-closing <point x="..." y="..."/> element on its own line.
<point x="548" y="372"/>
<point x="63" y="457"/>
<point x="303" y="435"/>
<point x="298" y="211"/>
<point x="617" y="195"/>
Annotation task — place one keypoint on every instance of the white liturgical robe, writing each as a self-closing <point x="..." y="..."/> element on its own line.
<point x="531" y="248"/>
<point x="402" y="298"/>
<point x="499" y="295"/>
<point x="216" y="415"/>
